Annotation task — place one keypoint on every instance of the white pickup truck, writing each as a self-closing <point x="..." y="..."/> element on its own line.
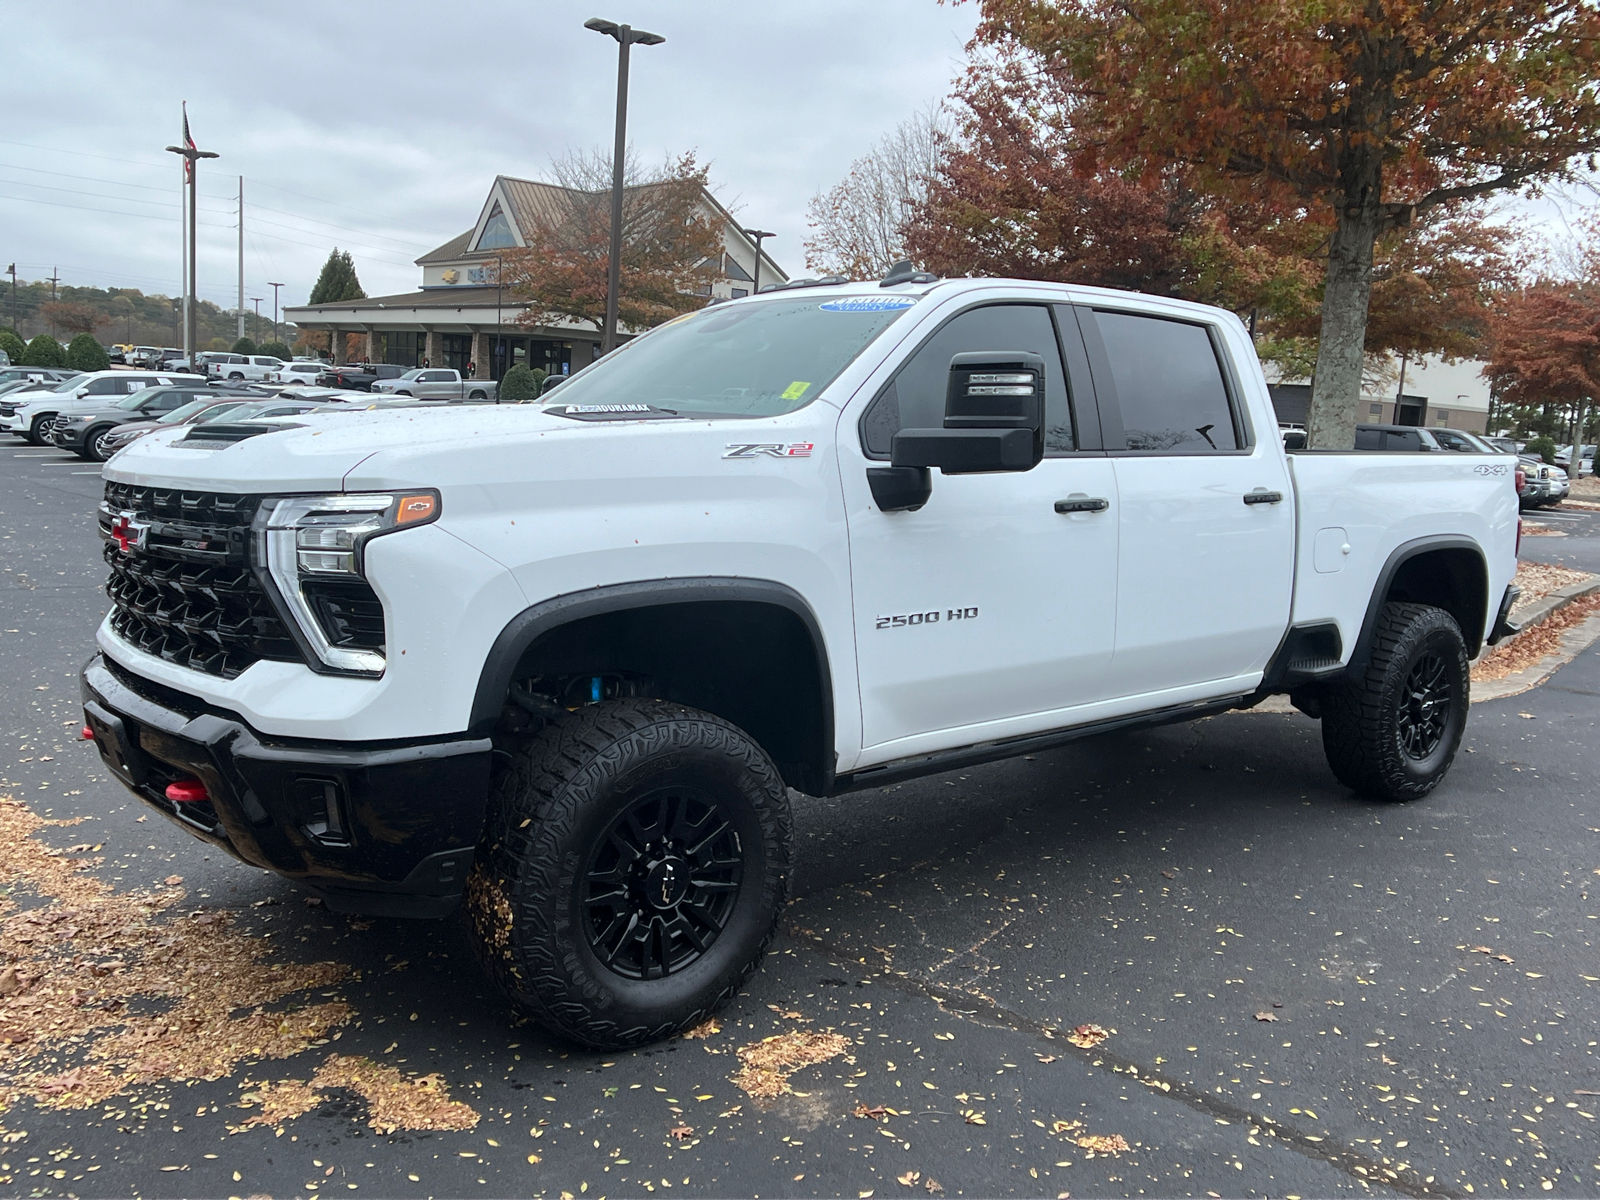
<point x="437" y="383"/>
<point x="564" y="662"/>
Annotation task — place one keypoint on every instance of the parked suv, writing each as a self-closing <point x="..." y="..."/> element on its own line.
<point x="88" y="433"/>
<point x="256" y="367"/>
<point x="562" y="663"/>
<point x="35" y="412"/>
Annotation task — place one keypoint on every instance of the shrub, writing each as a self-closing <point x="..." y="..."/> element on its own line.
<point x="1544" y="447"/>
<point x="245" y="346"/>
<point x="276" y="349"/>
<point x="86" y="354"/>
<point x="44" y="351"/>
<point x="521" y="383"/>
<point x="12" y="345"/>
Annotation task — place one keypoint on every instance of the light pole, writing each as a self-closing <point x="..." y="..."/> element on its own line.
<point x="256" y="300"/>
<point x="274" y="287"/>
<point x="757" y="235"/>
<point x="191" y="155"/>
<point x="13" y="269"/>
<point x="626" y="36"/>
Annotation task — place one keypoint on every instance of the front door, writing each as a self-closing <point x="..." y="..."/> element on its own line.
<point x="1206" y="528"/>
<point x="985" y="608"/>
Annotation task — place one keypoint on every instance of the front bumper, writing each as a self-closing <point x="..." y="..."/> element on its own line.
<point x="69" y="438"/>
<point x="14" y="424"/>
<point x="387" y="829"/>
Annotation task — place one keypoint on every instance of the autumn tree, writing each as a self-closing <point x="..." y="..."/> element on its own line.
<point x="73" y="317"/>
<point x="1374" y="111"/>
<point x="858" y="227"/>
<point x="338" y="280"/>
<point x="1545" y="352"/>
<point x="672" y="244"/>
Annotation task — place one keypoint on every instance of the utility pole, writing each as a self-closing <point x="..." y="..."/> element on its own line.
<point x="55" y="278"/>
<point x="191" y="156"/>
<point x="626" y="36"/>
<point x="274" y="287"/>
<point x="13" y="269"/>
<point x="241" y="257"/>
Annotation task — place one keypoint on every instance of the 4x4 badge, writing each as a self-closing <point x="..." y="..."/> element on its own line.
<point x="769" y="449"/>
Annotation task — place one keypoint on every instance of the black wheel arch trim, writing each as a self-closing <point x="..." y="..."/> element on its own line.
<point x="1398" y="558"/>
<point x="494" y="683"/>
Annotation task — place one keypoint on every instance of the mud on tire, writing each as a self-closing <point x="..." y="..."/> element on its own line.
<point x="634" y="862"/>
<point x="1392" y="733"/>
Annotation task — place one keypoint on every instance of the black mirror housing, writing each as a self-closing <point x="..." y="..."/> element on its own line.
<point x="993" y="417"/>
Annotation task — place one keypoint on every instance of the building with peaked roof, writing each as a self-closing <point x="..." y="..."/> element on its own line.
<point x="458" y="317"/>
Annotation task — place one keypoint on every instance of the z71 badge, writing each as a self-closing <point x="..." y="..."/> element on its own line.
<point x="769" y="450"/>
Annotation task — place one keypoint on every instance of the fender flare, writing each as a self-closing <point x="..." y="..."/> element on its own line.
<point x="1402" y="554"/>
<point x="533" y="623"/>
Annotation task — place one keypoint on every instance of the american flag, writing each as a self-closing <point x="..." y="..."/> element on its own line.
<point x="188" y="144"/>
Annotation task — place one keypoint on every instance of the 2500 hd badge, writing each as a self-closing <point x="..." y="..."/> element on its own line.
<point x="903" y="620"/>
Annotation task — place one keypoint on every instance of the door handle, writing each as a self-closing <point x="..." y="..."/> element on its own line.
<point x="1262" y="496"/>
<point x="1074" y="504"/>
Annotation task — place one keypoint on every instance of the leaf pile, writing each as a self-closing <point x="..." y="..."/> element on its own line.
<point x="1528" y="648"/>
<point x="1088" y="1036"/>
<point x="394" y="1101"/>
<point x="73" y="964"/>
<point x="765" y="1066"/>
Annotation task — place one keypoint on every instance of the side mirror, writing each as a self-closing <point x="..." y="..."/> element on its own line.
<point x="993" y="421"/>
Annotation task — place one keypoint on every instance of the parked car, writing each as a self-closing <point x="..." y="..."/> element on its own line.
<point x="5" y="359"/>
<point x="34" y="412"/>
<point x="83" y="432"/>
<point x="1505" y="445"/>
<point x="35" y="375"/>
<point x="118" y="352"/>
<point x="359" y="376"/>
<point x="576" y="653"/>
<point x="437" y="383"/>
<point x="299" y="371"/>
<point x="243" y="366"/>
<point x="1545" y="486"/>
<point x="1586" y="460"/>
<point x="203" y="406"/>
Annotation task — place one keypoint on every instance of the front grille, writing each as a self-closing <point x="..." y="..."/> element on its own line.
<point x="188" y="594"/>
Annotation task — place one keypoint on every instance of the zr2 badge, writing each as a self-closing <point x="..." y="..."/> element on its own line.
<point x="769" y="450"/>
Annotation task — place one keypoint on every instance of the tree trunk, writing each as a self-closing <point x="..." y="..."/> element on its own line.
<point x="1336" y="386"/>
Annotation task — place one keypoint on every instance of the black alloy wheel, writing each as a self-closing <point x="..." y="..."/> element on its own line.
<point x="634" y="860"/>
<point x="1390" y="730"/>
<point x="661" y="884"/>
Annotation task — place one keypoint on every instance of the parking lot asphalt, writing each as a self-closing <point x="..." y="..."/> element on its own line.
<point x="1301" y="993"/>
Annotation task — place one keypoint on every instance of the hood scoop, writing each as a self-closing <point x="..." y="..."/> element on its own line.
<point x="219" y="435"/>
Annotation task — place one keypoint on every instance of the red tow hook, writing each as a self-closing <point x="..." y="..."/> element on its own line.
<point x="187" y="791"/>
<point x="87" y="735"/>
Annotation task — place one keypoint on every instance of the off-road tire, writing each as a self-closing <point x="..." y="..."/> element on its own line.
<point x="550" y="809"/>
<point x="1366" y="720"/>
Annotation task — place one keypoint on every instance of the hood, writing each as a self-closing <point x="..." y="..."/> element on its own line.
<point x="321" y="449"/>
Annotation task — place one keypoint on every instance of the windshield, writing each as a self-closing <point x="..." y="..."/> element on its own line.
<point x="208" y="407"/>
<point x="761" y="359"/>
<point x="411" y="375"/>
<point x="66" y="385"/>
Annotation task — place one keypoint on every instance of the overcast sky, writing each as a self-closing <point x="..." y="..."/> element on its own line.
<point x="378" y="127"/>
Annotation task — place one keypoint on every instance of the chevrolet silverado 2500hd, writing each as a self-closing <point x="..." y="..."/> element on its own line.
<point x="561" y="663"/>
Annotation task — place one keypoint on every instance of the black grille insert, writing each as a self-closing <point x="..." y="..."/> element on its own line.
<point x="181" y="585"/>
<point x="350" y="613"/>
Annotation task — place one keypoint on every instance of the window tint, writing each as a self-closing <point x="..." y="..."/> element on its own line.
<point x="914" y="399"/>
<point x="1169" y="385"/>
<point x="105" y="387"/>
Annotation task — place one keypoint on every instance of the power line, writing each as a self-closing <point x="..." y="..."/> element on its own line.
<point x="85" y="154"/>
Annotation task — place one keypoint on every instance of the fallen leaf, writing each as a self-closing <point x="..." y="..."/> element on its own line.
<point x="1505" y="958"/>
<point x="974" y="1118"/>
<point x="784" y="1012"/>
<point x="1266" y="1016"/>
<point x="9" y="984"/>
<point x="682" y="1132"/>
<point x="910" y="1178"/>
<point x="173" y="880"/>
<point x="1087" y="1036"/>
<point x="1526" y="716"/>
<point x="933" y="1186"/>
<point x="1170" y="874"/>
<point x="1102" y="1143"/>
<point x="313" y="901"/>
<point x="705" y="1029"/>
<point x="876" y="1113"/>
<point x="1045" y="1058"/>
<point x="1480" y="950"/>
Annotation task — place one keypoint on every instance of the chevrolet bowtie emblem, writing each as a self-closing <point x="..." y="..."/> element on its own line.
<point x="128" y="534"/>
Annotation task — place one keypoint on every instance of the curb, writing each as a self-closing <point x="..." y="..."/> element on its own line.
<point x="1554" y="601"/>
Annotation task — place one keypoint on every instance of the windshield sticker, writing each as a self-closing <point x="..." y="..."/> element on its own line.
<point x="795" y="390"/>
<point x="867" y="304"/>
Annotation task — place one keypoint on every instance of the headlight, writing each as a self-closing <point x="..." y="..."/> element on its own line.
<point x="314" y="550"/>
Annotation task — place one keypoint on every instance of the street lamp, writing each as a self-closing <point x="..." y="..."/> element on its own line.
<point x="626" y="36"/>
<point x="757" y="235"/>
<point x="256" y="300"/>
<point x="274" y="287"/>
<point x="191" y="155"/>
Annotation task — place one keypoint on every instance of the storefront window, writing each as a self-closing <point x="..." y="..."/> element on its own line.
<point x="403" y="348"/>
<point x="457" y="351"/>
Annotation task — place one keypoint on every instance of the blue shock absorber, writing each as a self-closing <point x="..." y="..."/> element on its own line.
<point x="594" y="690"/>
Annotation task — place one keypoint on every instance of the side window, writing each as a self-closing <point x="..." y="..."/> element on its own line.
<point x="914" y="398"/>
<point x="1369" y="439"/>
<point x="1169" y="385"/>
<point x="105" y="387"/>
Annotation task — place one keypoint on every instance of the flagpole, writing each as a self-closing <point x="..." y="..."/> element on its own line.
<point x="191" y="154"/>
<point x="183" y="238"/>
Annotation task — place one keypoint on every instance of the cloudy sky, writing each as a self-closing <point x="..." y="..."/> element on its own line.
<point x="378" y="127"/>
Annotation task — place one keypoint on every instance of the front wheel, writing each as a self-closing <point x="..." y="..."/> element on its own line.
<point x="40" y="429"/>
<point x="634" y="862"/>
<point x="95" y="447"/>
<point x="1392" y="732"/>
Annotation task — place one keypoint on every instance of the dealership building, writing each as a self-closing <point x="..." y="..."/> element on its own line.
<point x="459" y="317"/>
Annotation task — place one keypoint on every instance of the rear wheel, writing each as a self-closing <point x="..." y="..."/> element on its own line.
<point x="634" y="862"/>
<point x="1393" y="732"/>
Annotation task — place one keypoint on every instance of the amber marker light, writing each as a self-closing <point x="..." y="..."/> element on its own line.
<point x="415" y="508"/>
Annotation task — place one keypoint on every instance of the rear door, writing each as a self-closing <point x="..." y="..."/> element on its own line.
<point x="1206" y="521"/>
<point x="987" y="610"/>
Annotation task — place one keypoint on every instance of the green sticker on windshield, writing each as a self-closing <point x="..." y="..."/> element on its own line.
<point x="795" y="390"/>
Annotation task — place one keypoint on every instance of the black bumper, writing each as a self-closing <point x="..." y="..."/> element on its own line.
<point x="387" y="829"/>
<point x="1503" y="626"/>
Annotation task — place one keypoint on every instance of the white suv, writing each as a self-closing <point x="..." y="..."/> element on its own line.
<point x="242" y="366"/>
<point x="36" y="410"/>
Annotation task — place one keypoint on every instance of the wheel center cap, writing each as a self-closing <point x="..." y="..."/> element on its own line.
<point x="665" y="882"/>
